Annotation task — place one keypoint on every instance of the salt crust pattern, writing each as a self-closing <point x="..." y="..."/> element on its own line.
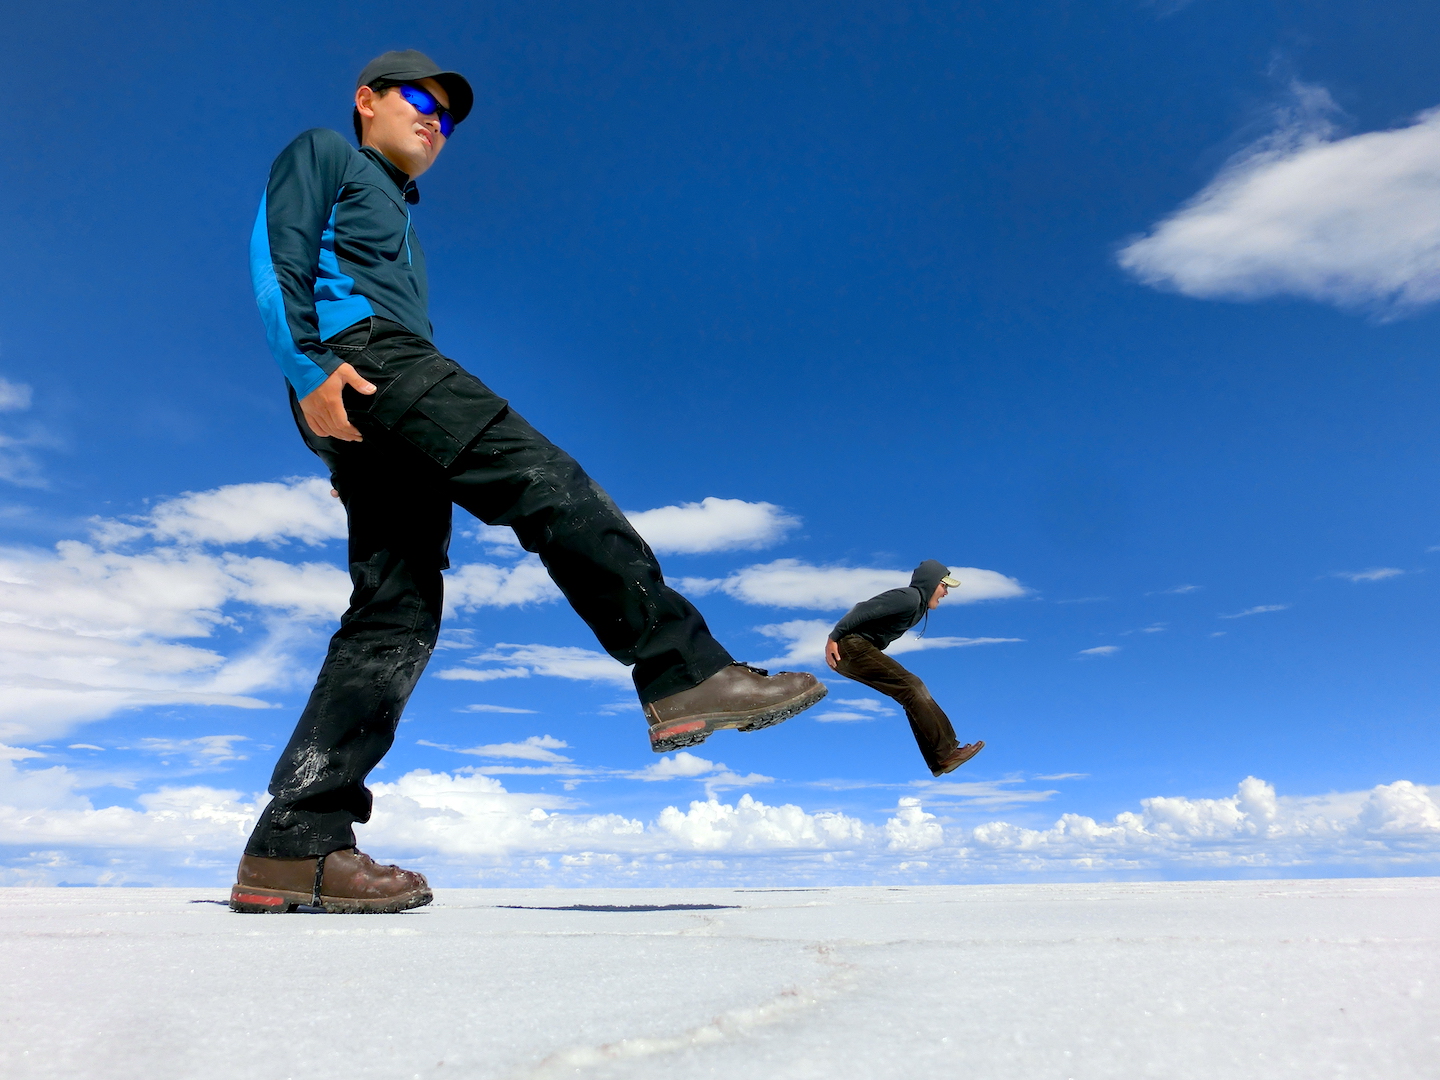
<point x="1204" y="980"/>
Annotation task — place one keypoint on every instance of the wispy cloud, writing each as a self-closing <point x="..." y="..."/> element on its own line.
<point x="1100" y="650"/>
<point x="204" y="751"/>
<point x="535" y="748"/>
<point x="554" y="661"/>
<point x="1379" y="573"/>
<point x="854" y="710"/>
<point x="1303" y="212"/>
<point x="792" y="583"/>
<point x="14" y="397"/>
<point x="1177" y="590"/>
<point x="805" y="642"/>
<point x="1260" y="610"/>
<point x="492" y="709"/>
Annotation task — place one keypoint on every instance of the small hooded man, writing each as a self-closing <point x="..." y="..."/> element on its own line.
<point x="407" y="434"/>
<point x="856" y="649"/>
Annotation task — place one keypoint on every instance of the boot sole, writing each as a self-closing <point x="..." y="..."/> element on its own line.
<point x="280" y="901"/>
<point x="693" y="730"/>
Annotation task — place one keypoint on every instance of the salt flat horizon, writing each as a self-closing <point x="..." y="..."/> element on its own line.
<point x="1280" y="978"/>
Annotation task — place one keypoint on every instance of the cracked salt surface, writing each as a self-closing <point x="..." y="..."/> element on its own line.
<point x="1303" y="979"/>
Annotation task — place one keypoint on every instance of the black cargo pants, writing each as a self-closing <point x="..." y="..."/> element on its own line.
<point x="863" y="662"/>
<point x="435" y="436"/>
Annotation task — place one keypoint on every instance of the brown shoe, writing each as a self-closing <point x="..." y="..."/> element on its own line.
<point x="347" y="881"/>
<point x="738" y="696"/>
<point x="958" y="757"/>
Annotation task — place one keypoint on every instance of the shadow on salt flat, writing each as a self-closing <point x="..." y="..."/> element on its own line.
<point x="621" y="907"/>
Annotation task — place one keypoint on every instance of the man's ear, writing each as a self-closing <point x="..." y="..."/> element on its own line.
<point x="365" y="102"/>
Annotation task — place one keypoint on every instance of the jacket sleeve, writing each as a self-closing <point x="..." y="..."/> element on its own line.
<point x="891" y="602"/>
<point x="285" y="252"/>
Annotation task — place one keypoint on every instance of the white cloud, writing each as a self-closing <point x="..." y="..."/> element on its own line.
<point x="492" y="709"/>
<point x="535" y="748"/>
<point x="1261" y="610"/>
<point x="791" y="583"/>
<point x="204" y="751"/>
<point x="466" y="819"/>
<point x="1178" y="590"/>
<point x="749" y="825"/>
<point x="1379" y="573"/>
<point x="852" y="710"/>
<point x="554" y="661"/>
<point x="912" y="829"/>
<point x="805" y="642"/>
<point x="1100" y="650"/>
<point x="686" y="766"/>
<point x="712" y="525"/>
<point x="14" y="397"/>
<point x="299" y="508"/>
<point x="689" y="528"/>
<point x="990" y="794"/>
<point x="477" y="585"/>
<point x="1349" y="221"/>
<point x="1392" y="824"/>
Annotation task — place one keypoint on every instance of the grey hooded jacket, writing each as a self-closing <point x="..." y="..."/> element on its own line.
<point x="882" y="619"/>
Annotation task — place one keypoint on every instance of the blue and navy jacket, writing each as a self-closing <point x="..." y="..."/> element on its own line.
<point x="334" y="244"/>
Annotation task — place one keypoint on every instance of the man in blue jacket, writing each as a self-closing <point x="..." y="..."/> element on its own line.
<point x="406" y="433"/>
<point x="856" y="649"/>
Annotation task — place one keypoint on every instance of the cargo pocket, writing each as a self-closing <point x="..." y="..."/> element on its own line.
<point x="437" y="406"/>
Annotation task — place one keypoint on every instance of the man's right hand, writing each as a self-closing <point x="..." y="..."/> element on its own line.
<point x="832" y="653"/>
<point x="324" y="407"/>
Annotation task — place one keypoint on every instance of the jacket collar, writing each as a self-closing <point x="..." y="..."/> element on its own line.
<point x="403" y="184"/>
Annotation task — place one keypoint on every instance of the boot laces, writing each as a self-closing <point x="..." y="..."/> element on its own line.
<point x="752" y="667"/>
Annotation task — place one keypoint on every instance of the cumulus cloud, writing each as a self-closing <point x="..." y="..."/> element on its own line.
<point x="553" y="661"/>
<point x="1260" y="610"/>
<point x="1303" y="212"/>
<point x="299" y="508"/>
<point x="804" y="641"/>
<point x="477" y="585"/>
<point x="1379" y="573"/>
<point x="712" y="525"/>
<point x="791" y="583"/>
<point x="467" y="821"/>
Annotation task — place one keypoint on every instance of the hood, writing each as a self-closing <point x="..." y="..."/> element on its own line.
<point x="927" y="576"/>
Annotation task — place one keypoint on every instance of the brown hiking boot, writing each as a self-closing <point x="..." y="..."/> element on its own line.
<point x="738" y="696"/>
<point x="346" y="881"/>
<point x="958" y="757"/>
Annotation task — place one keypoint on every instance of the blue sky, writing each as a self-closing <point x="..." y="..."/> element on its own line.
<point x="1129" y="306"/>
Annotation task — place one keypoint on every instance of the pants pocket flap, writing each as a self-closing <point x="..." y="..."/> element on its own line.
<point x="392" y="402"/>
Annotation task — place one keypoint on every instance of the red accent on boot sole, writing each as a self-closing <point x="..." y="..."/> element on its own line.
<point x="675" y="729"/>
<point x="256" y="898"/>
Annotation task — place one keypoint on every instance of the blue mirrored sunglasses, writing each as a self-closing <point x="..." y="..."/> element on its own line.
<point x="426" y="105"/>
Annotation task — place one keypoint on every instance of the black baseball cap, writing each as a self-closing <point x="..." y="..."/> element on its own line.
<point x="410" y="65"/>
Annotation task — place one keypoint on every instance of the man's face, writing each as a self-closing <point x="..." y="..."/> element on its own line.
<point x="941" y="591"/>
<point x="408" y="138"/>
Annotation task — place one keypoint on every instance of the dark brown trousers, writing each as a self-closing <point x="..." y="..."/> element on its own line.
<point x="863" y="662"/>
